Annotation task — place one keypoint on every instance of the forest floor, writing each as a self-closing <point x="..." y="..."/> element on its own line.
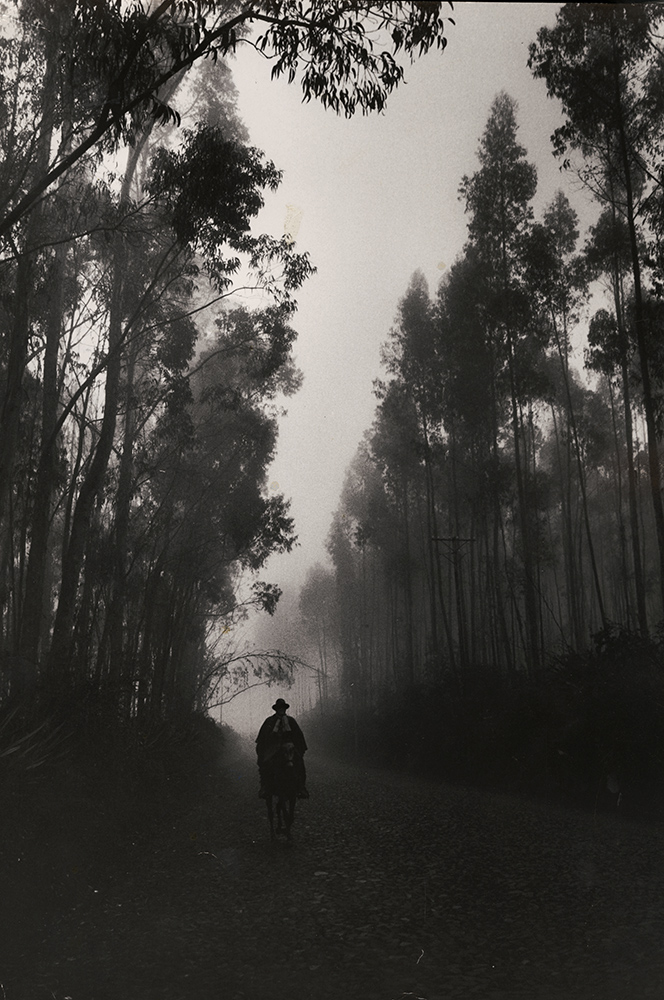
<point x="394" y="887"/>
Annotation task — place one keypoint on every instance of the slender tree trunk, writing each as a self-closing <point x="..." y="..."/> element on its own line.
<point x="111" y="647"/>
<point x="648" y="401"/>
<point x="94" y="480"/>
<point x="12" y="395"/>
<point x="567" y="530"/>
<point x="408" y="589"/>
<point x="639" y="580"/>
<point x="581" y="474"/>
<point x="433" y="544"/>
<point x="496" y="527"/>
<point x="458" y="580"/>
<point x="36" y="611"/>
<point x="530" y="601"/>
<point x="623" y="585"/>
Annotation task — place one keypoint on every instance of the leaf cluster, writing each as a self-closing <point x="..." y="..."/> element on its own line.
<point x="348" y="52"/>
<point x="116" y="61"/>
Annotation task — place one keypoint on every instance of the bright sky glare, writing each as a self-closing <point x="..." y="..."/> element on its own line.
<point x="373" y="199"/>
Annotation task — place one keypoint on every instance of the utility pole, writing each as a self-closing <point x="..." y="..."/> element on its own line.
<point x="452" y="552"/>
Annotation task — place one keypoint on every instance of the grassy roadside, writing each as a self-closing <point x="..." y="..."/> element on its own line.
<point x="77" y="807"/>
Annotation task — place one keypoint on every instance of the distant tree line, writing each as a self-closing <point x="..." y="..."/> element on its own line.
<point x="137" y="415"/>
<point x="504" y="508"/>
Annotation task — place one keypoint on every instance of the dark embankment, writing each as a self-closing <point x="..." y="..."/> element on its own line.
<point x="588" y="730"/>
<point x="80" y="798"/>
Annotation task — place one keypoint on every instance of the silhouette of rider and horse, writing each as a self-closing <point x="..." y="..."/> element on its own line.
<point x="280" y="748"/>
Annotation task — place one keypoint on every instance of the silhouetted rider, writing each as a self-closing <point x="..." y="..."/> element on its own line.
<point x="275" y="731"/>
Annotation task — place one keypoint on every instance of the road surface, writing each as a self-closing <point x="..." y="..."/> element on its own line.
<point x="393" y="888"/>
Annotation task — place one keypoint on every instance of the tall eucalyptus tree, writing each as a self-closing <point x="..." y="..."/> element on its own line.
<point x="498" y="200"/>
<point x="598" y="60"/>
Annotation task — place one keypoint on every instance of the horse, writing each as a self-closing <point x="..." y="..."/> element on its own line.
<point x="282" y="787"/>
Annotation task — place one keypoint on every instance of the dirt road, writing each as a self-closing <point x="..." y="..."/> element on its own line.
<point x="393" y="887"/>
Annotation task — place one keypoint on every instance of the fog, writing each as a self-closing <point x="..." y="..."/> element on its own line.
<point x="372" y="200"/>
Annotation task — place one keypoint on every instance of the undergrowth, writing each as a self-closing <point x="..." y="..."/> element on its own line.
<point x="80" y="793"/>
<point x="587" y="729"/>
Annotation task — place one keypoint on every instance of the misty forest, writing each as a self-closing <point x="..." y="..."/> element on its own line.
<point x="491" y="614"/>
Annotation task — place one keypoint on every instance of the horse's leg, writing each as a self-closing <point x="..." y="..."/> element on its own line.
<point x="270" y="814"/>
<point x="281" y="815"/>
<point x="289" y="814"/>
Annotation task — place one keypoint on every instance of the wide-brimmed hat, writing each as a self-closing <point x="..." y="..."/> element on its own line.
<point x="280" y="703"/>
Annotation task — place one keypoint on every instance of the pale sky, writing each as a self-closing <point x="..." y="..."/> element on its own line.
<point x="377" y="199"/>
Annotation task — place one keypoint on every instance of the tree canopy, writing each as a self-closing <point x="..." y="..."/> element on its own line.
<point x="505" y="506"/>
<point x="110" y="66"/>
<point x="138" y="408"/>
